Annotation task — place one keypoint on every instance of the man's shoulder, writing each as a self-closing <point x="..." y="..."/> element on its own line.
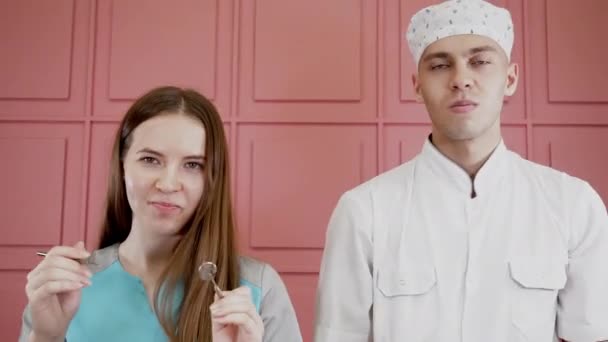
<point x="398" y="177"/>
<point x="549" y="178"/>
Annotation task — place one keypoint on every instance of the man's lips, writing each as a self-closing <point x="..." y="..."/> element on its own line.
<point x="463" y="106"/>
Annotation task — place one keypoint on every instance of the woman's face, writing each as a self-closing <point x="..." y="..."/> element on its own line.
<point x="163" y="172"/>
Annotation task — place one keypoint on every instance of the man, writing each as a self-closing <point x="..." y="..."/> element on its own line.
<point x="467" y="241"/>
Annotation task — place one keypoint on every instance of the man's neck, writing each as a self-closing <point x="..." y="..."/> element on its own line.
<point x="470" y="155"/>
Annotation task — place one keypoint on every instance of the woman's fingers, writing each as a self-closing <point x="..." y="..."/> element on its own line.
<point x="51" y="288"/>
<point x="237" y="308"/>
<point x="59" y="271"/>
<point x="61" y="257"/>
<point x="76" y="252"/>
<point x="243" y="320"/>
<point x="56" y="274"/>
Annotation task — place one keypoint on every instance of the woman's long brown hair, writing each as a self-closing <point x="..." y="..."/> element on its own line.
<point x="209" y="235"/>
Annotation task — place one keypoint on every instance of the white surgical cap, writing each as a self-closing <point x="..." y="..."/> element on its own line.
<point x="454" y="17"/>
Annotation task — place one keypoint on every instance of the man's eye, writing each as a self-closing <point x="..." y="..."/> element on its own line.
<point x="439" y="66"/>
<point x="480" y="62"/>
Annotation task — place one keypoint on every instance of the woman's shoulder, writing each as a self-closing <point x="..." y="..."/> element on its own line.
<point x="271" y="299"/>
<point x="102" y="258"/>
<point x="258" y="273"/>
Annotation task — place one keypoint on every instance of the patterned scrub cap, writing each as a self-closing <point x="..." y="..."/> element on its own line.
<point x="454" y="17"/>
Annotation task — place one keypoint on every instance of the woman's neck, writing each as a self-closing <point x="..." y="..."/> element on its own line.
<point x="146" y="256"/>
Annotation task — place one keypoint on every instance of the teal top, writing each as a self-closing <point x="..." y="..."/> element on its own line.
<point x="117" y="294"/>
<point x="115" y="307"/>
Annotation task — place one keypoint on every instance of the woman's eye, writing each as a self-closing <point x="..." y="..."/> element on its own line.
<point x="149" y="160"/>
<point x="194" y="165"/>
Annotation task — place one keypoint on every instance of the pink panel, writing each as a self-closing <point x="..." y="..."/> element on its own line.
<point x="12" y="295"/>
<point x="44" y="56"/>
<point x="302" y="290"/>
<point x="37" y="40"/>
<point x="402" y="143"/>
<point x="516" y="139"/>
<point x="578" y="80"/>
<point x="136" y="50"/>
<point x="42" y="194"/>
<point x="285" y="173"/>
<point x="185" y="54"/>
<point x="292" y="63"/>
<point x="399" y="97"/>
<point x="285" y="259"/>
<point x="579" y="151"/>
<point x="315" y="58"/>
<point x="577" y="69"/>
<point x="102" y="138"/>
<point x="41" y="207"/>
<point x="20" y="258"/>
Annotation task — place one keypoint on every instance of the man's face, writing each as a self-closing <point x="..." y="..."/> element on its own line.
<point x="462" y="80"/>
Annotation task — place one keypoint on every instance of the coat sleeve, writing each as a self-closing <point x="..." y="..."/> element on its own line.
<point x="345" y="291"/>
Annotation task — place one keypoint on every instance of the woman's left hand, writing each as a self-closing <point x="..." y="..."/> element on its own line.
<point x="234" y="317"/>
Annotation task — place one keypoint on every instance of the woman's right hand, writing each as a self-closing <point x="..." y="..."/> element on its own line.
<point x="54" y="288"/>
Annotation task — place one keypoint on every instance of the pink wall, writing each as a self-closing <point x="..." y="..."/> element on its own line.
<point x="315" y="95"/>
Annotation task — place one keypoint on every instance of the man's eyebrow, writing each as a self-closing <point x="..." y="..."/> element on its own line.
<point x="472" y="51"/>
<point x="434" y="55"/>
<point x="482" y="49"/>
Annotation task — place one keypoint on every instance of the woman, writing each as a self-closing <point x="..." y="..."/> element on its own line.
<point x="168" y="210"/>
